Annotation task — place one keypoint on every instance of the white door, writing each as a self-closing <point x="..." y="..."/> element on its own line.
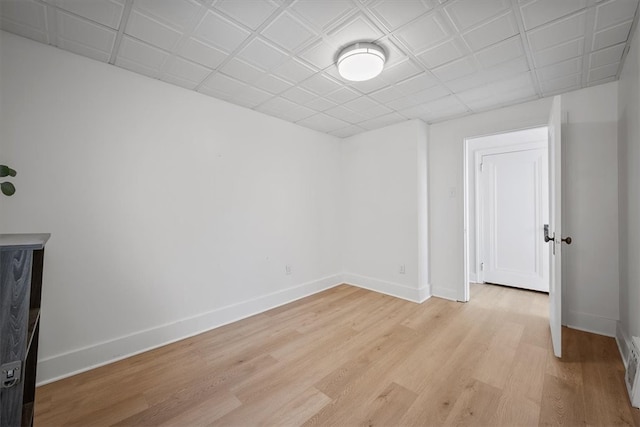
<point x="514" y="209"/>
<point x="555" y="225"/>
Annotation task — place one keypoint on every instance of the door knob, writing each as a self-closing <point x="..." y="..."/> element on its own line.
<point x="567" y="240"/>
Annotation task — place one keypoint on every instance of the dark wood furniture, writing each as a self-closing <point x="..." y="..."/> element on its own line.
<point x="21" y="263"/>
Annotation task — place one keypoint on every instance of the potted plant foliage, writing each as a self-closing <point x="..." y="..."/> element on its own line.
<point x="7" y="187"/>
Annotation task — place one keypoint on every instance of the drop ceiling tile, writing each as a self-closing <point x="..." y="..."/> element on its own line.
<point x="603" y="72"/>
<point x="611" y="36"/>
<point x="321" y="104"/>
<point x="507" y="69"/>
<point x="367" y="107"/>
<point x="381" y="121"/>
<point x="394" y="14"/>
<point x="242" y="71"/>
<point x="417" y="83"/>
<point x="413" y="112"/>
<point x="446" y="105"/>
<point x="428" y="30"/>
<point x="540" y="12"/>
<point x="347" y="132"/>
<point x="252" y="96"/>
<point x="252" y="16"/>
<point x="566" y="83"/>
<point x="356" y="29"/>
<point x="25" y="18"/>
<point x="178" y="81"/>
<point x="152" y="31"/>
<point x="455" y="70"/>
<point x="559" y="53"/>
<point x="320" y="84"/>
<point x="219" y="85"/>
<point x="468" y="82"/>
<point x="277" y="105"/>
<point x="319" y="54"/>
<point x="466" y="13"/>
<point x="430" y="94"/>
<point x="220" y="32"/>
<point x="272" y="84"/>
<point x="298" y="95"/>
<point x="140" y="57"/>
<point x="401" y="71"/>
<point x="202" y="53"/>
<point x="403" y="103"/>
<point x="84" y="37"/>
<point x="565" y="68"/>
<point x="386" y="94"/>
<point x="443" y="53"/>
<point x="393" y="53"/>
<point x="606" y="56"/>
<point x="298" y="113"/>
<point x="323" y="123"/>
<point x="294" y="71"/>
<point x="558" y="32"/>
<point x="323" y="14"/>
<point x="187" y="70"/>
<point x="288" y="32"/>
<point x="500" y="28"/>
<point x="175" y="13"/>
<point x="342" y="95"/>
<point x="262" y="54"/>
<point x="368" y="86"/>
<point x="345" y="114"/>
<point x="105" y="12"/>
<point x="501" y="52"/>
<point x="601" y="82"/>
<point x="615" y="12"/>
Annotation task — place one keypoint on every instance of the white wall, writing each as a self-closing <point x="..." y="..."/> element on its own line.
<point x="385" y="210"/>
<point x="629" y="191"/>
<point x="590" y="209"/>
<point x="590" y="274"/>
<point x="170" y="212"/>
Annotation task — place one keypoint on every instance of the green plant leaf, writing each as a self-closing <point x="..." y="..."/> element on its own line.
<point x="7" y="188"/>
<point x="12" y="172"/>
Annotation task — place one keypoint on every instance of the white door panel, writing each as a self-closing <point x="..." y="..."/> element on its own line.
<point x="514" y="209"/>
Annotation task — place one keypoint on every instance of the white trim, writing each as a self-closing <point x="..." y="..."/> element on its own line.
<point x="83" y="359"/>
<point x="624" y="345"/>
<point x="445" y="293"/>
<point x="397" y="290"/>
<point x="591" y="323"/>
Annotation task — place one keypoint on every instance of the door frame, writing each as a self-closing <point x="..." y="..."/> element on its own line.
<point x="468" y="146"/>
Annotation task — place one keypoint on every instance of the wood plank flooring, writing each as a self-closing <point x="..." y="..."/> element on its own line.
<point x="348" y="356"/>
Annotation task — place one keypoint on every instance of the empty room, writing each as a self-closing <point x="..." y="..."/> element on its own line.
<point x="319" y="212"/>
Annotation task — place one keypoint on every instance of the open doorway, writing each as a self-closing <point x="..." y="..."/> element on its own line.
<point x="506" y="207"/>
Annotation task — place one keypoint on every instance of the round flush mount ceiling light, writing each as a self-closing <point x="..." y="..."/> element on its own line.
<point x="361" y="61"/>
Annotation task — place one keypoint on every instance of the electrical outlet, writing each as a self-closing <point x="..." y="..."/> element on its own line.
<point x="287" y="269"/>
<point x="401" y="269"/>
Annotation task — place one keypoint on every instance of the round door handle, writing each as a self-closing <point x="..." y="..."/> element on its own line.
<point x="567" y="240"/>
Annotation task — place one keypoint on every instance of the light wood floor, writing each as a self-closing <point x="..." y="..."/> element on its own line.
<point x="348" y="356"/>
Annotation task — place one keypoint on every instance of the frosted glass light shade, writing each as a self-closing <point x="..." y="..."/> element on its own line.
<point x="361" y="61"/>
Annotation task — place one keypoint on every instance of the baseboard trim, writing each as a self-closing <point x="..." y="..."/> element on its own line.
<point x="591" y="323"/>
<point x="80" y="360"/>
<point x="623" y="343"/>
<point x="397" y="290"/>
<point x="445" y="293"/>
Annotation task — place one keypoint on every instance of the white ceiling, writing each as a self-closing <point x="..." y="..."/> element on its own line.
<point x="446" y="58"/>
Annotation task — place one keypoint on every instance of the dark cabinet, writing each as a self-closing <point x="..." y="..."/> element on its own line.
<point x="21" y="264"/>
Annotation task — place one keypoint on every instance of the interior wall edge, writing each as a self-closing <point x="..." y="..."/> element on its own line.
<point x="624" y="344"/>
<point x="84" y="359"/>
<point x="590" y="323"/>
<point x="397" y="290"/>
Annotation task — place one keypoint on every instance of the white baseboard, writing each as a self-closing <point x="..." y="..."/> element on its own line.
<point x="446" y="293"/>
<point x="623" y="343"/>
<point x="393" y="289"/>
<point x="591" y="323"/>
<point x="80" y="360"/>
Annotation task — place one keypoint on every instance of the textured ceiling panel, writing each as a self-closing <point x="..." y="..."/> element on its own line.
<point x="445" y="58"/>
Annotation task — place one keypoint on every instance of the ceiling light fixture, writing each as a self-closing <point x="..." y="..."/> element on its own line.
<point x="361" y="61"/>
